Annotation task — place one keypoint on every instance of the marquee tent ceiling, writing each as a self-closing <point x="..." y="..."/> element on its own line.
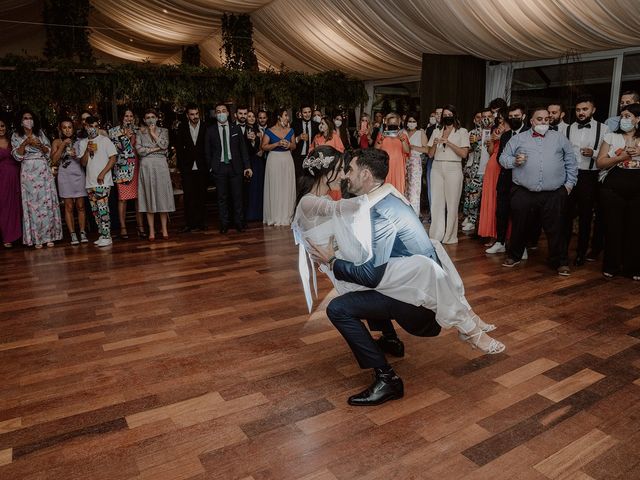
<point x="371" y="39"/>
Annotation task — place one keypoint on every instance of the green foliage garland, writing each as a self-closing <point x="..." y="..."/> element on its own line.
<point x="49" y="86"/>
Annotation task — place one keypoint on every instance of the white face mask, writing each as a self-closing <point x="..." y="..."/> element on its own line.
<point x="626" y="125"/>
<point x="541" y="128"/>
<point x="412" y="125"/>
<point x="317" y="119"/>
<point x="432" y="120"/>
<point x="151" y="122"/>
<point x="221" y="117"/>
<point x="338" y="123"/>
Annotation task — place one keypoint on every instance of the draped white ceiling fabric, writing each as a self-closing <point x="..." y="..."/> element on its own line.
<point x="371" y="39"/>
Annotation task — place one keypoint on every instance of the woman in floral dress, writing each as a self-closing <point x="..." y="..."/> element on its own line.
<point x="41" y="220"/>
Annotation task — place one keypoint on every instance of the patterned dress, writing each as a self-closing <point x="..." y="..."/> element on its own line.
<point x="414" y="173"/>
<point x="41" y="220"/>
<point x="125" y="171"/>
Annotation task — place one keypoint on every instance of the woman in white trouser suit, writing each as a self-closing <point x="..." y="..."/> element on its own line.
<point x="448" y="146"/>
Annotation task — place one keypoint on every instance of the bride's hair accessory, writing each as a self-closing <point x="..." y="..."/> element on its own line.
<point x="312" y="162"/>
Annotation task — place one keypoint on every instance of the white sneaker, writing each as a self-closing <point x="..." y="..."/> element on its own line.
<point x="496" y="248"/>
<point x="98" y="240"/>
<point x="74" y="239"/>
<point x="104" y="242"/>
<point x="464" y="223"/>
<point x="83" y="237"/>
<point x="469" y="227"/>
<point x="525" y="255"/>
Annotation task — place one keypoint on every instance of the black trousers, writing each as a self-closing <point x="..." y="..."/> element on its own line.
<point x="503" y="204"/>
<point x="347" y="311"/>
<point x="620" y="198"/>
<point x="582" y="203"/>
<point x="229" y="191"/>
<point x="194" y="185"/>
<point x="550" y="208"/>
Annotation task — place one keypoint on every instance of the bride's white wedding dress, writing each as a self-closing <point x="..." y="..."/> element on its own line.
<point x="417" y="280"/>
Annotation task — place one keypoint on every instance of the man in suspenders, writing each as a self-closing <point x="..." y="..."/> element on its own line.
<point x="585" y="134"/>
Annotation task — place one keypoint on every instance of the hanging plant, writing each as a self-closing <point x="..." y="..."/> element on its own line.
<point x="237" y="43"/>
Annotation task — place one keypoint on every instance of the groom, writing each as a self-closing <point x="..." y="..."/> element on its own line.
<point x="396" y="232"/>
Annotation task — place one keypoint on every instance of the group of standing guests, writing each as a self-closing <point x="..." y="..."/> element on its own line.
<point x="540" y="173"/>
<point x="87" y="162"/>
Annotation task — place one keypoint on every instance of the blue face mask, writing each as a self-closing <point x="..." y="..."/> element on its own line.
<point x="626" y="125"/>
<point x="92" y="132"/>
<point x="222" y="117"/>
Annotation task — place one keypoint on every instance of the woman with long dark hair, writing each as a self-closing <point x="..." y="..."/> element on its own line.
<point x="319" y="220"/>
<point x="280" y="177"/>
<point x="41" y="222"/>
<point x="126" y="169"/>
<point x="448" y="146"/>
<point x="10" y="207"/>
<point x="619" y="159"/>
<point x="327" y="135"/>
<point x="255" y="190"/>
<point x="71" y="179"/>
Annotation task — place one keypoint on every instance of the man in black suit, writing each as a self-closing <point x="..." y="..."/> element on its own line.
<point x="228" y="161"/>
<point x="193" y="169"/>
<point x="305" y="129"/>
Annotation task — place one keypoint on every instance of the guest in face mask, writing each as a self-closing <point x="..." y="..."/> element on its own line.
<point x="545" y="171"/>
<point x="41" y="222"/>
<point x="341" y="130"/>
<point x="448" y="146"/>
<point x="393" y="140"/>
<point x="98" y="154"/>
<point x="418" y="141"/>
<point x="327" y="135"/>
<point x="317" y="116"/>
<point x="619" y="156"/>
<point x="155" y="192"/>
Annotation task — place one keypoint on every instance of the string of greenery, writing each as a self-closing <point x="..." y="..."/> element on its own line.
<point x="51" y="86"/>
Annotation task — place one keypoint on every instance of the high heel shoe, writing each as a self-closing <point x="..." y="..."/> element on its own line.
<point x="151" y="238"/>
<point x="124" y="234"/>
<point x="165" y="237"/>
<point x="493" y="348"/>
<point x="141" y="233"/>
<point x="485" y="327"/>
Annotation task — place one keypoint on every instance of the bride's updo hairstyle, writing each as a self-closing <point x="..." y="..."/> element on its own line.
<point x="320" y="165"/>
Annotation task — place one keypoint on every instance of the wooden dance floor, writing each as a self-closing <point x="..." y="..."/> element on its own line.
<point x="196" y="359"/>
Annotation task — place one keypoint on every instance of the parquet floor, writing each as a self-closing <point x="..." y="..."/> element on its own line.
<point x="196" y="359"/>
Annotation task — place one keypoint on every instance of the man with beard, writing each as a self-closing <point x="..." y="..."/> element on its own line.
<point x="556" y="118"/>
<point x="586" y="135"/>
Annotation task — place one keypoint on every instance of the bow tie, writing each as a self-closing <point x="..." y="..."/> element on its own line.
<point x="586" y="125"/>
<point x="536" y="134"/>
<point x="553" y="127"/>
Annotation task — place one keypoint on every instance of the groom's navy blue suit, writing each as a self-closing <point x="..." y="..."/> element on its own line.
<point x="396" y="232"/>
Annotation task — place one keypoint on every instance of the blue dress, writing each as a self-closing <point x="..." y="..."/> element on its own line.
<point x="255" y="190"/>
<point x="279" y="183"/>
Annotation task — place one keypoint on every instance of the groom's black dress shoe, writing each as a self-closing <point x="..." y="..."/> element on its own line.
<point x="392" y="346"/>
<point x="386" y="387"/>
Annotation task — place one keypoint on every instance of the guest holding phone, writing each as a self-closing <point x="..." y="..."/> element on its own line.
<point x="395" y="142"/>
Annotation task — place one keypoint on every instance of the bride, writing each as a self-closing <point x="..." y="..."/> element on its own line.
<point x="430" y="280"/>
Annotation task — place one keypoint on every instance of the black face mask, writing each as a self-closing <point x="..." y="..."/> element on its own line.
<point x="515" y="123"/>
<point x="583" y="122"/>
<point x="392" y="127"/>
<point x="447" y="121"/>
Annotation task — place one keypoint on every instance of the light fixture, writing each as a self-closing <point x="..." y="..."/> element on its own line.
<point x="340" y="21"/>
<point x="131" y="40"/>
<point x="164" y="10"/>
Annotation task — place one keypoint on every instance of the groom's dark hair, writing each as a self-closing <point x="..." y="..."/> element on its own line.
<point x="374" y="160"/>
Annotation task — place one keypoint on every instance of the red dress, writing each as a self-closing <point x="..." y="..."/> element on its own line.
<point x="487" y="223"/>
<point x="397" y="161"/>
